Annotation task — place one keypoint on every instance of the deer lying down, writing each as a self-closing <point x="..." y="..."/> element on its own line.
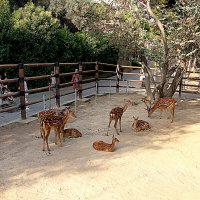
<point x="103" y="146"/>
<point x="140" y="125"/>
<point x="71" y="133"/>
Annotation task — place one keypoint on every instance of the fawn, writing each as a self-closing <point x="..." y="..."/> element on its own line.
<point x="116" y="114"/>
<point x="41" y="115"/>
<point x="103" y="146"/>
<point x="167" y="103"/>
<point x="71" y="133"/>
<point x="140" y="125"/>
<point x="57" y="123"/>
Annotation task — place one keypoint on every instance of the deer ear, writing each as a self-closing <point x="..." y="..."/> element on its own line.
<point x="133" y="117"/>
<point x="137" y="117"/>
<point x="113" y="136"/>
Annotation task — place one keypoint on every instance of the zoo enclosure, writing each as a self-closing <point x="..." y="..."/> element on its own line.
<point x="116" y="72"/>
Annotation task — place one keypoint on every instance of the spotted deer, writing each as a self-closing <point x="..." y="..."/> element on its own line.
<point x="71" y="133"/>
<point x="103" y="146"/>
<point x="42" y="114"/>
<point x="140" y="125"/>
<point x="167" y="103"/>
<point x="116" y="114"/>
<point x="57" y="123"/>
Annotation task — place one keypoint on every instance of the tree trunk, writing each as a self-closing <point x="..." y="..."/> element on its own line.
<point x="169" y="92"/>
<point x="148" y="78"/>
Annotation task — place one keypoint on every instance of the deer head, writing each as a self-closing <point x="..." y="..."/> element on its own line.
<point x="127" y="104"/>
<point x="114" y="139"/>
<point x="148" y="105"/>
<point x="72" y="113"/>
<point x="135" y="121"/>
<point x="67" y="111"/>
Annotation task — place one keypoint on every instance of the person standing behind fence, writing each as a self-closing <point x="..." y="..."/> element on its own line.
<point x="26" y="94"/>
<point x="53" y="82"/>
<point x="75" y="80"/>
<point x="121" y="73"/>
<point x="4" y="77"/>
<point x="4" y="87"/>
<point x="1" y="85"/>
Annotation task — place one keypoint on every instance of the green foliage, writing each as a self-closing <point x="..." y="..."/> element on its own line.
<point x="76" y="10"/>
<point x="35" y="20"/>
<point x="15" y="4"/>
<point x="182" y="27"/>
<point x="30" y="34"/>
<point x="5" y="30"/>
<point x="4" y="14"/>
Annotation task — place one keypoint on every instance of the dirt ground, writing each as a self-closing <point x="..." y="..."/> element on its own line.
<point x="160" y="164"/>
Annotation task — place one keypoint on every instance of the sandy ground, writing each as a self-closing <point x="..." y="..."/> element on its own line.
<point x="163" y="163"/>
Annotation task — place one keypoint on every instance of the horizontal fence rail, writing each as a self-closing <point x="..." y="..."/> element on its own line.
<point x="89" y="72"/>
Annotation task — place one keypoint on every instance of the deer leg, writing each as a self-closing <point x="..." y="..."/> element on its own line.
<point x="47" y="142"/>
<point x="56" y="136"/>
<point x="161" y="112"/>
<point x="120" y="124"/>
<point x="172" y="115"/>
<point x="115" y="125"/>
<point x="42" y="131"/>
<point x="109" y="125"/>
<point x="59" y="132"/>
<point x="44" y="140"/>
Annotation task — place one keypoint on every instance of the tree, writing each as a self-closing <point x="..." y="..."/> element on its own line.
<point x="115" y="23"/>
<point x="15" y="4"/>
<point x="75" y="10"/>
<point x="180" y="45"/>
<point x="33" y="27"/>
<point x="87" y="16"/>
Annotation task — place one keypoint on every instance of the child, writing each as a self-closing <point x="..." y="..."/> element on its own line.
<point x="53" y="82"/>
<point x="26" y="94"/>
<point x="75" y="80"/>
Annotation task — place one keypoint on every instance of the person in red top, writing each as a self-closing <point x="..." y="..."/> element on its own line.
<point x="75" y="80"/>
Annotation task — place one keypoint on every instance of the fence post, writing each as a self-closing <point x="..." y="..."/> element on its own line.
<point x="80" y="71"/>
<point x="22" y="91"/>
<point x="117" y="80"/>
<point x="180" y="87"/>
<point x="57" y="86"/>
<point x="97" y="77"/>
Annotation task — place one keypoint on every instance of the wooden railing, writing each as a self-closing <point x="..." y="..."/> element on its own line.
<point x="97" y="71"/>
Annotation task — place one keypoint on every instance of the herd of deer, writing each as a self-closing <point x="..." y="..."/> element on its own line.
<point x="50" y="119"/>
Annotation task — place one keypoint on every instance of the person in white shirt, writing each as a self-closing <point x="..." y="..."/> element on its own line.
<point x="53" y="82"/>
<point x="26" y="94"/>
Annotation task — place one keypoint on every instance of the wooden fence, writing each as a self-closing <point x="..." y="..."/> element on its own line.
<point x="97" y="71"/>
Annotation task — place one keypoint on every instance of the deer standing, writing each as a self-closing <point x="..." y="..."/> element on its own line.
<point x="57" y="123"/>
<point x="167" y="103"/>
<point x="103" y="146"/>
<point x="116" y="114"/>
<point x="42" y="114"/>
<point x="140" y="125"/>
